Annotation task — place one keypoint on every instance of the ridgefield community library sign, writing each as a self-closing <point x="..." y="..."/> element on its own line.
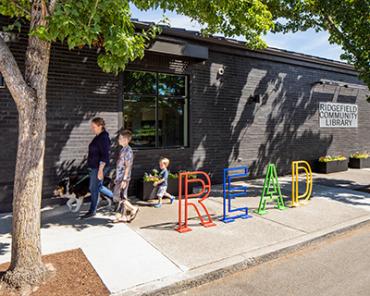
<point x="338" y="115"/>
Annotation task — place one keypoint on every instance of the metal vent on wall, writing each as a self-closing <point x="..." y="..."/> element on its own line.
<point x="179" y="48"/>
<point x="160" y="62"/>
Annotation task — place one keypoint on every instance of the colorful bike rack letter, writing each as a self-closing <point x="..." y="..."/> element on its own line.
<point x="231" y="191"/>
<point x="184" y="195"/>
<point x="296" y="166"/>
<point x="271" y="191"/>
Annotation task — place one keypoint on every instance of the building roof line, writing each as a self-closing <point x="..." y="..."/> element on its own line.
<point x="230" y="42"/>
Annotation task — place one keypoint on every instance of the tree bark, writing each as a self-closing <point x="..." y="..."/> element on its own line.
<point x="29" y="93"/>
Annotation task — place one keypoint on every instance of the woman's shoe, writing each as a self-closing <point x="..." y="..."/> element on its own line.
<point x="88" y="215"/>
<point x="158" y="205"/>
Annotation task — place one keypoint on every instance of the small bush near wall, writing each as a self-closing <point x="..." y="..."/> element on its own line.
<point x="359" y="160"/>
<point x="331" y="164"/>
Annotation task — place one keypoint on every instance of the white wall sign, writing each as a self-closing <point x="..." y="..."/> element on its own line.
<point x="338" y="115"/>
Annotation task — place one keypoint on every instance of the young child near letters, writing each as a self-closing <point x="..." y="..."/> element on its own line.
<point x="162" y="184"/>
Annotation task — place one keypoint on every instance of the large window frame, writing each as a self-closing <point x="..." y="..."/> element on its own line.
<point x="158" y="97"/>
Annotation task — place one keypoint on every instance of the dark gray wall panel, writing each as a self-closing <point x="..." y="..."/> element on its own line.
<point x="226" y="129"/>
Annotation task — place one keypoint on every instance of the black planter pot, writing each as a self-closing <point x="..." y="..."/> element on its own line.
<point x="359" y="163"/>
<point x="145" y="188"/>
<point x="332" y="166"/>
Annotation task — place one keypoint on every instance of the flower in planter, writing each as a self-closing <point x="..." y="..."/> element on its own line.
<point x="150" y="178"/>
<point x="154" y="176"/>
<point x="329" y="158"/>
<point x="360" y="155"/>
<point x="173" y="176"/>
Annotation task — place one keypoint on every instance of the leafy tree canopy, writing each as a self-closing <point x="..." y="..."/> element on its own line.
<point x="347" y="21"/>
<point x="107" y="23"/>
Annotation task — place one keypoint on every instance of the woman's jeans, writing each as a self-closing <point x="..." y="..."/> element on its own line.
<point x="96" y="187"/>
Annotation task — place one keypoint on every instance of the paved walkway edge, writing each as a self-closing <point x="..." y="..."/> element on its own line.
<point x="210" y="272"/>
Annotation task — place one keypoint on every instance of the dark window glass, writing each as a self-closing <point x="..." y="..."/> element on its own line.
<point x="171" y="85"/>
<point x="139" y="117"/>
<point x="140" y="83"/>
<point x="2" y="83"/>
<point x="155" y="109"/>
<point x="171" y="122"/>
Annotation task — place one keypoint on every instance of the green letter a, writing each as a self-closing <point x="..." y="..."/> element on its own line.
<point x="271" y="191"/>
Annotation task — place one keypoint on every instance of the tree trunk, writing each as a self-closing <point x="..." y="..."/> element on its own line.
<point x="26" y="266"/>
<point x="30" y="96"/>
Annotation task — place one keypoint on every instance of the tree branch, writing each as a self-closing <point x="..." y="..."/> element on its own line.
<point x="20" y="7"/>
<point x="342" y="35"/>
<point x="92" y="14"/>
<point x="13" y="77"/>
<point x="52" y="6"/>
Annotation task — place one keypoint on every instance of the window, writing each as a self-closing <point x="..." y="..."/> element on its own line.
<point x="155" y="109"/>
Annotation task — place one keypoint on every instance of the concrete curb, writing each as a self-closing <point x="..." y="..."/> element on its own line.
<point x="228" y="266"/>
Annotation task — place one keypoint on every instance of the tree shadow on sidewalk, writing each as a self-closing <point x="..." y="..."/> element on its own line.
<point x="194" y="222"/>
<point x="4" y="248"/>
<point x="61" y="216"/>
<point x="345" y="191"/>
<point x="345" y="183"/>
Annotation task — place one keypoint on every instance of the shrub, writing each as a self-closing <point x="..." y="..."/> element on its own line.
<point x="360" y="155"/>
<point x="154" y="176"/>
<point x="329" y="158"/>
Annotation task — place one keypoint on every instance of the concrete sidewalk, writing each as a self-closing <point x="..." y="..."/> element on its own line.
<point x="203" y="251"/>
<point x="121" y="257"/>
<point x="148" y="254"/>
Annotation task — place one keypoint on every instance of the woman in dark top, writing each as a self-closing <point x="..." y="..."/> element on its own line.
<point x="98" y="163"/>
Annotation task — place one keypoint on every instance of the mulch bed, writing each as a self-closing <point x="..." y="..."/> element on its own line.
<point x="74" y="276"/>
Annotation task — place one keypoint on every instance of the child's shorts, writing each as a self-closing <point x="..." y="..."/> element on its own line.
<point x="161" y="191"/>
<point x="119" y="193"/>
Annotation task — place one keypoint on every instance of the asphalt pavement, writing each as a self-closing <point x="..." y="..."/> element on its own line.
<point x="338" y="266"/>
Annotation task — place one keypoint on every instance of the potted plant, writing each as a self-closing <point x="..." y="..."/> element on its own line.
<point x="145" y="185"/>
<point x="332" y="164"/>
<point x="359" y="160"/>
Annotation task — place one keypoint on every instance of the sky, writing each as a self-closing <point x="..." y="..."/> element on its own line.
<point x="309" y="42"/>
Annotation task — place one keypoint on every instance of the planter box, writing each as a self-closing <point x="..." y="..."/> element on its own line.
<point x="359" y="163"/>
<point x="332" y="166"/>
<point x="146" y="188"/>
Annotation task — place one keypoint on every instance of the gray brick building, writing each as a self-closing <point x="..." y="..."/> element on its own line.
<point x="205" y="103"/>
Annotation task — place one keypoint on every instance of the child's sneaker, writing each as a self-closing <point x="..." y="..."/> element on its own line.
<point x="172" y="199"/>
<point x="158" y="205"/>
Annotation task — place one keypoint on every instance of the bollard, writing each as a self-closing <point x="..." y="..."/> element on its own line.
<point x="230" y="192"/>
<point x="271" y="191"/>
<point x="296" y="166"/>
<point x="183" y="195"/>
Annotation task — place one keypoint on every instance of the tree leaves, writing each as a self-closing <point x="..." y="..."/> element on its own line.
<point x="107" y="24"/>
<point x="347" y="21"/>
<point x="14" y="9"/>
<point x="248" y="18"/>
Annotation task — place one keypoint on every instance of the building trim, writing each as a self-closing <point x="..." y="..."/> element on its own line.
<point x="224" y="45"/>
